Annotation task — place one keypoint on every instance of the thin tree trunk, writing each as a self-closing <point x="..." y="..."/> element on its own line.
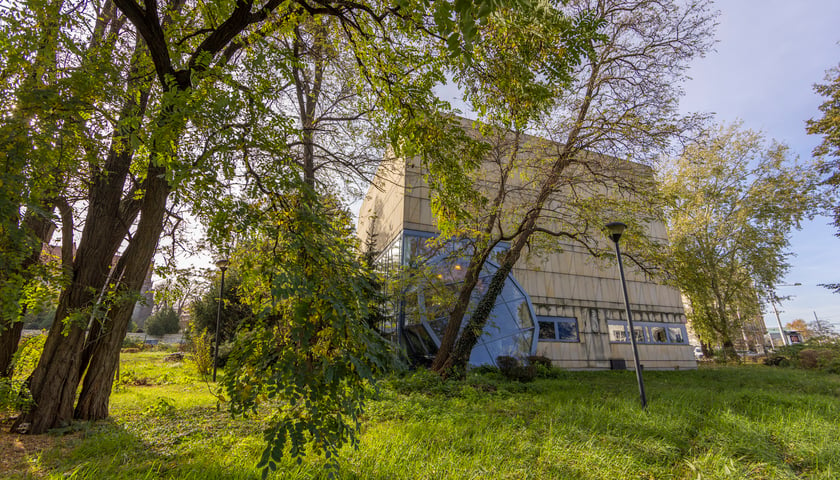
<point x="453" y="326"/>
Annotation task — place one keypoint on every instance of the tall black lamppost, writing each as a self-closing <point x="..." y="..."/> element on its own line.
<point x="222" y="264"/>
<point x="615" y="229"/>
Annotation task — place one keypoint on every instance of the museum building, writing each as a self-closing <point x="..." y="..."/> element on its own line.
<point x="567" y="305"/>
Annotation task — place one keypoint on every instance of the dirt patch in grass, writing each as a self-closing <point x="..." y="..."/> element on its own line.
<point x="17" y="451"/>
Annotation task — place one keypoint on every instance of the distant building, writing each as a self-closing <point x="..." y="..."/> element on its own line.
<point x="774" y="338"/>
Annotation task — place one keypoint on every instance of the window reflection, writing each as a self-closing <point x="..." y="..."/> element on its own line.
<point x="441" y="269"/>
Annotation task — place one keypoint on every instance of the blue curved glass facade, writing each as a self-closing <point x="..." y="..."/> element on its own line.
<point x="421" y="313"/>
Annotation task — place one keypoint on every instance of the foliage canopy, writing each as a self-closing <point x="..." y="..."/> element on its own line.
<point x="731" y="203"/>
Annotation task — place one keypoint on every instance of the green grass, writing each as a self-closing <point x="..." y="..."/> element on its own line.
<point x="714" y="423"/>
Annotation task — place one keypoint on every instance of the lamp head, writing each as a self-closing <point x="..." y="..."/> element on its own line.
<point x="614" y="230"/>
<point x="222" y="264"/>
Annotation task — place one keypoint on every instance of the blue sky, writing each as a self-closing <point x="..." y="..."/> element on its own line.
<point x="768" y="56"/>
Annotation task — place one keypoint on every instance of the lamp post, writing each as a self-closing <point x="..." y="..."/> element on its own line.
<point x="222" y="264"/>
<point x="615" y="229"/>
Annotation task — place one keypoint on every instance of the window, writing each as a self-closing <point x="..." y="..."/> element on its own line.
<point x="648" y="332"/>
<point x="640" y="334"/>
<point x="618" y="333"/>
<point x="658" y="335"/>
<point x="677" y="335"/>
<point x="558" y="329"/>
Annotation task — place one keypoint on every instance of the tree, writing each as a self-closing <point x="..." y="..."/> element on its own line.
<point x="615" y="94"/>
<point x="157" y="77"/>
<point x="829" y="150"/>
<point x="732" y="201"/>
<point x="822" y="330"/>
<point x="799" y="325"/>
<point x="38" y="141"/>
<point x="829" y="128"/>
<point x="182" y="104"/>
<point x="161" y="88"/>
<point x="162" y="322"/>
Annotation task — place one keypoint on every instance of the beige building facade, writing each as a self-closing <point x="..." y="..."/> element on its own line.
<point x="573" y="301"/>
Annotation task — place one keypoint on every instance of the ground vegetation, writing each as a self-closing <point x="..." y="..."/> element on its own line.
<point x="717" y="422"/>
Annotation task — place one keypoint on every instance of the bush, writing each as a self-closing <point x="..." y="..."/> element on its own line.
<point x="14" y="397"/>
<point x="163" y="321"/>
<point x="776" y="361"/>
<point x="808" y="358"/>
<point x="506" y="363"/>
<point x="811" y="355"/>
<point x="129" y="342"/>
<point x="512" y="370"/>
<point x="14" y="394"/>
<point x="539" y="360"/>
<point x="201" y="347"/>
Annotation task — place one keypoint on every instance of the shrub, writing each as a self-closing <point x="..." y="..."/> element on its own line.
<point x="776" y="361"/>
<point x="512" y="370"/>
<point x="27" y="355"/>
<point x="130" y="343"/>
<point x="506" y="363"/>
<point x="484" y="369"/>
<point x="14" y="395"/>
<point x="201" y="347"/>
<point x="162" y="322"/>
<point x="808" y="358"/>
<point x="540" y="360"/>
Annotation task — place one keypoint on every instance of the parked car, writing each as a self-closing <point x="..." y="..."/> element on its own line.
<point x="698" y="353"/>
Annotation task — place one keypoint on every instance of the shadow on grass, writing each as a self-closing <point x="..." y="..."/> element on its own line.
<point x="198" y="443"/>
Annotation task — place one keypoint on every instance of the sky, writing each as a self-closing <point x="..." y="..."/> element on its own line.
<point x="768" y="55"/>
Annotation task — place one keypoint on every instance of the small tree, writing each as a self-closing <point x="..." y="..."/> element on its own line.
<point x="201" y="346"/>
<point x="163" y="322"/>
<point x="310" y="352"/>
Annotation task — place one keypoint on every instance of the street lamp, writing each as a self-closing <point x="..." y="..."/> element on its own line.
<point x="773" y="300"/>
<point x="222" y="265"/>
<point x="615" y="229"/>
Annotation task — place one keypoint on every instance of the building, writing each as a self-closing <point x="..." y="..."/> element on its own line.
<point x="566" y="305"/>
<point x="773" y="339"/>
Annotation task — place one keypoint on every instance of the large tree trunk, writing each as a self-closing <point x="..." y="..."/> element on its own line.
<point x="132" y="267"/>
<point x="54" y="381"/>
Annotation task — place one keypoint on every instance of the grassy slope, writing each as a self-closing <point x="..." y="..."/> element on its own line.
<point x="735" y="422"/>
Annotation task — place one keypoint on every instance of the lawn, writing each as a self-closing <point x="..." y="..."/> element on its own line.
<point x="726" y="422"/>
